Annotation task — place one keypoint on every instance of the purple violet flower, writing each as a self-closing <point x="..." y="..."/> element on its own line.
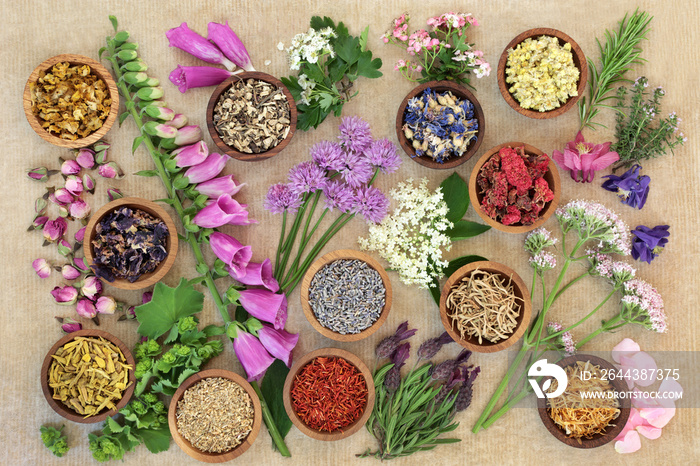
<point x="252" y="354"/>
<point x="383" y="155"/>
<point x="42" y="268"/>
<point x="307" y="177"/>
<point x="229" y="43"/>
<point x="208" y="169"/>
<point x="256" y="274"/>
<point x="631" y="188"/>
<point x="339" y="195"/>
<point x="280" y="198"/>
<point x="647" y="243"/>
<point x="279" y="343"/>
<point x="189" y="77"/>
<point x="194" y="154"/>
<point x="185" y="39"/>
<point x="224" y="210"/>
<point x="328" y="155"/>
<point x="230" y="251"/>
<point x="371" y="203"/>
<point x="265" y="305"/>
<point x="355" y="134"/>
<point x="217" y="186"/>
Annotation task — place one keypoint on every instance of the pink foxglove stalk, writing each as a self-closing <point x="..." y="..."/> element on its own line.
<point x="217" y="186"/>
<point x="582" y="159"/>
<point x="252" y="354"/>
<point x="265" y="305"/>
<point x="54" y="229"/>
<point x="208" y="169"/>
<point x="178" y="121"/>
<point x="185" y="39"/>
<point x="256" y="274"/>
<point x="194" y="154"/>
<point x="279" y="343"/>
<point x="92" y="287"/>
<point x="188" y="135"/>
<point x="225" y="210"/>
<point x="65" y="295"/>
<point x="42" y="268"/>
<point x="86" y="308"/>
<point x="106" y="305"/>
<point x="230" y="44"/>
<point x="189" y="77"/>
<point x="69" y="272"/>
<point x="230" y="251"/>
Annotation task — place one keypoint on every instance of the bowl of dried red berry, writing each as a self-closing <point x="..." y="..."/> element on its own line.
<point x="515" y="187"/>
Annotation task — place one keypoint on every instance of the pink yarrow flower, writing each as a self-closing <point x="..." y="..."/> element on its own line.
<point x="582" y="159"/>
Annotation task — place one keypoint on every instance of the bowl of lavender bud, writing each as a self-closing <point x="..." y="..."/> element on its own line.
<point x="131" y="243"/>
<point x="346" y="295"/>
<point x="440" y="124"/>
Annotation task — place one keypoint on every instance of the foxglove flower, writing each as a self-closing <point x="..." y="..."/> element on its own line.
<point x="225" y="210"/>
<point x="74" y="185"/>
<point x="92" y="287"/>
<point x="70" y="167"/>
<point x="193" y="154"/>
<point x="189" y="77"/>
<point x="208" y="169"/>
<point x="256" y="274"/>
<point x="185" y="39"/>
<point x="281" y="198"/>
<point x="252" y="354"/>
<point x="582" y="159"/>
<point x="54" y="229"/>
<point x="188" y="135"/>
<point x="88" y="183"/>
<point x="42" y="267"/>
<point x="65" y="295"/>
<point x="79" y="209"/>
<point x="328" y="155"/>
<point x="86" y="308"/>
<point x="355" y="134"/>
<point x="371" y="203"/>
<point x="178" y="121"/>
<point x="307" y="177"/>
<point x="106" y="305"/>
<point x="69" y="272"/>
<point x="339" y="195"/>
<point x="631" y="188"/>
<point x="265" y="305"/>
<point x="279" y="343"/>
<point x="230" y="251"/>
<point x="217" y="186"/>
<point x="648" y="242"/>
<point x="110" y="170"/>
<point x="230" y="44"/>
<point x="383" y="155"/>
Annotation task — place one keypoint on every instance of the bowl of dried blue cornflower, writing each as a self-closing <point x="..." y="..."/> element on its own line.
<point x="131" y="243"/>
<point x="440" y="124"/>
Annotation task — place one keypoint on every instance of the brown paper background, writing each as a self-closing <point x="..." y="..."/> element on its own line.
<point x="33" y="31"/>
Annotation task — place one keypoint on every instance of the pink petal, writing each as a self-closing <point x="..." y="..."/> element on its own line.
<point x="639" y="401"/>
<point x="558" y="157"/>
<point x="572" y="160"/>
<point x="579" y="138"/>
<point x="605" y="160"/>
<point x="657" y="417"/>
<point x="624" y="348"/>
<point x="673" y="387"/>
<point x="652" y="433"/>
<point x="634" y="421"/>
<point x="629" y="444"/>
<point x="640" y="363"/>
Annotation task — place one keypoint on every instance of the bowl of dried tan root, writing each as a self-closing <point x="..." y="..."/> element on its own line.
<point x="485" y="306"/>
<point x="251" y="116"/>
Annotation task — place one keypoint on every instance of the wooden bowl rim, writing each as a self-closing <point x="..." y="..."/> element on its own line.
<point x="441" y="86"/>
<point x="185" y="444"/>
<point x="329" y="352"/>
<point x="598" y="439"/>
<point x="69" y="413"/>
<point x="348" y="254"/>
<point x="519" y="287"/>
<point x="228" y="150"/>
<point x="101" y="72"/>
<point x="578" y="56"/>
<point x="150" y="207"/>
<point x="552" y="178"/>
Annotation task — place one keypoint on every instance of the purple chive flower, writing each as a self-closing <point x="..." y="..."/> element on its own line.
<point x="217" y="186"/>
<point x="92" y="287"/>
<point x="265" y="305"/>
<point x="631" y="188"/>
<point x="69" y="272"/>
<point x="189" y="77"/>
<point x="279" y="343"/>
<point x="106" y="305"/>
<point x="382" y="154"/>
<point x="114" y="193"/>
<point x="65" y="295"/>
<point x="256" y="274"/>
<point x="88" y="183"/>
<point x="208" y="169"/>
<point x="230" y="251"/>
<point x="371" y="203"/>
<point x="70" y="167"/>
<point x="110" y="170"/>
<point x="80" y="235"/>
<point x="387" y="347"/>
<point x="54" y="229"/>
<point x="280" y="198"/>
<point x="357" y="170"/>
<point x="647" y="243"/>
<point x="79" y="209"/>
<point x="328" y="155"/>
<point x="42" y="267"/>
<point x="339" y="195"/>
<point x="307" y="177"/>
<point x="178" y="121"/>
<point x="188" y="135"/>
<point x="74" y="184"/>
<point x="194" y="154"/>
<point x="225" y="210"/>
<point x="252" y="354"/>
<point x="230" y="44"/>
<point x="355" y="134"/>
<point x="185" y="39"/>
<point x="86" y="308"/>
<point x="85" y="158"/>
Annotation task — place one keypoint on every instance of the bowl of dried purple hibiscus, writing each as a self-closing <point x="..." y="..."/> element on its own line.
<point x="131" y="243"/>
<point x="515" y="187"/>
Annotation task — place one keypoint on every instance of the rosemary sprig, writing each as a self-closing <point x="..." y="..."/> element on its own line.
<point x="621" y="50"/>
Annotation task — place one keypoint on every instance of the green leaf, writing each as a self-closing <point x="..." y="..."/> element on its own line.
<point x="167" y="306"/>
<point x="319" y="23"/>
<point x="273" y="380"/>
<point x="137" y="142"/>
<point x="156" y="440"/>
<point x="325" y="101"/>
<point x="202" y="268"/>
<point x="147" y="173"/>
<point x="363" y="39"/>
<point x="172" y="336"/>
<point x="123" y="117"/>
<point x="241" y="314"/>
<point x="113" y="20"/>
<point x="232" y="331"/>
<point x="348" y="50"/>
<point x="367" y="67"/>
<point x="456" y="195"/>
<point x="464" y="229"/>
<point x="101" y="51"/>
<point x="166" y="201"/>
<point x="212" y="330"/>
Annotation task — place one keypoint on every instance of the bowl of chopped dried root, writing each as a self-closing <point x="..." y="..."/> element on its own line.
<point x="485" y="306"/>
<point x="584" y="421"/>
<point x="88" y="375"/>
<point x="251" y="116"/>
<point x="71" y="101"/>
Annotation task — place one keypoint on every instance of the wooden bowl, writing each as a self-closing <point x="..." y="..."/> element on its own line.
<point x="348" y="254"/>
<point x="98" y="70"/>
<point x="348" y="430"/>
<point x="69" y="413"/>
<point x="458" y="91"/>
<point x="599" y="439"/>
<point x="579" y="61"/>
<point x="519" y="289"/>
<point x="149" y="207"/>
<point x="185" y="444"/>
<point x="552" y="178"/>
<point x="221" y="88"/>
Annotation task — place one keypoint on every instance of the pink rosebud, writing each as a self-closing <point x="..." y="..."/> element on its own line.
<point x="193" y="154"/>
<point x="86" y="158"/>
<point x="178" y="121"/>
<point x="106" y="305"/>
<point x="92" y="287"/>
<point x="114" y="193"/>
<point x="230" y="251"/>
<point x="79" y="209"/>
<point x="40" y="173"/>
<point x="110" y="170"/>
<point x="208" y="169"/>
<point x="88" y="183"/>
<point x="54" y="229"/>
<point x="188" y="77"/>
<point x="39" y="222"/>
<point x="61" y="197"/>
<point x="64" y="247"/>
<point x="130" y="312"/>
<point x="69" y="272"/>
<point x="70" y="167"/>
<point x="185" y="39"/>
<point x="252" y="354"/>
<point x="146" y="297"/>
<point x="265" y="305"/>
<point x="65" y="295"/>
<point x="69" y="326"/>
<point x="80" y="264"/>
<point x="255" y="274"/>
<point x="217" y="186"/>
<point x="80" y="235"/>
<point x="279" y="343"/>
<point x="225" y="210"/>
<point x="86" y="308"/>
<point x="187" y="135"/>
<point x="230" y="44"/>
<point x="74" y="184"/>
<point x="42" y="267"/>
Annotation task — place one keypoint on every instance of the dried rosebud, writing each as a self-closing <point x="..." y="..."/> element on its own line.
<point x="114" y="193"/>
<point x="146" y="297"/>
<point x="130" y="312"/>
<point x="70" y="167"/>
<point x="64" y="247"/>
<point x="85" y="158"/>
<point x="54" y="229"/>
<point x="79" y="209"/>
<point x="40" y="173"/>
<point x="61" y="197"/>
<point x="106" y="305"/>
<point x="74" y="185"/>
<point x="110" y="170"/>
<point x="86" y="308"/>
<point x="42" y="268"/>
<point x="65" y="295"/>
<point x="69" y="272"/>
<point x="69" y="325"/>
<point x="101" y="157"/>
<point x="88" y="183"/>
<point x="100" y="146"/>
<point x="40" y="206"/>
<point x="92" y="287"/>
<point x="80" y="235"/>
<point x="80" y="264"/>
<point x="38" y="222"/>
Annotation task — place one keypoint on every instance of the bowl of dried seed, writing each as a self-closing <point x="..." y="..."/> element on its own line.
<point x="71" y="101"/>
<point x="215" y="416"/>
<point x="346" y="295"/>
<point x="485" y="306"/>
<point x="251" y="116"/>
<point x="88" y="375"/>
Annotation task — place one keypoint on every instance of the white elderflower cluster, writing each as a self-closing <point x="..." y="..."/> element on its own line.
<point x="309" y="47"/>
<point x="412" y="237"/>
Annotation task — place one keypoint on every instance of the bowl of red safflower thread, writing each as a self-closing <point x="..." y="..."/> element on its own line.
<point x="329" y="394"/>
<point x="515" y="187"/>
